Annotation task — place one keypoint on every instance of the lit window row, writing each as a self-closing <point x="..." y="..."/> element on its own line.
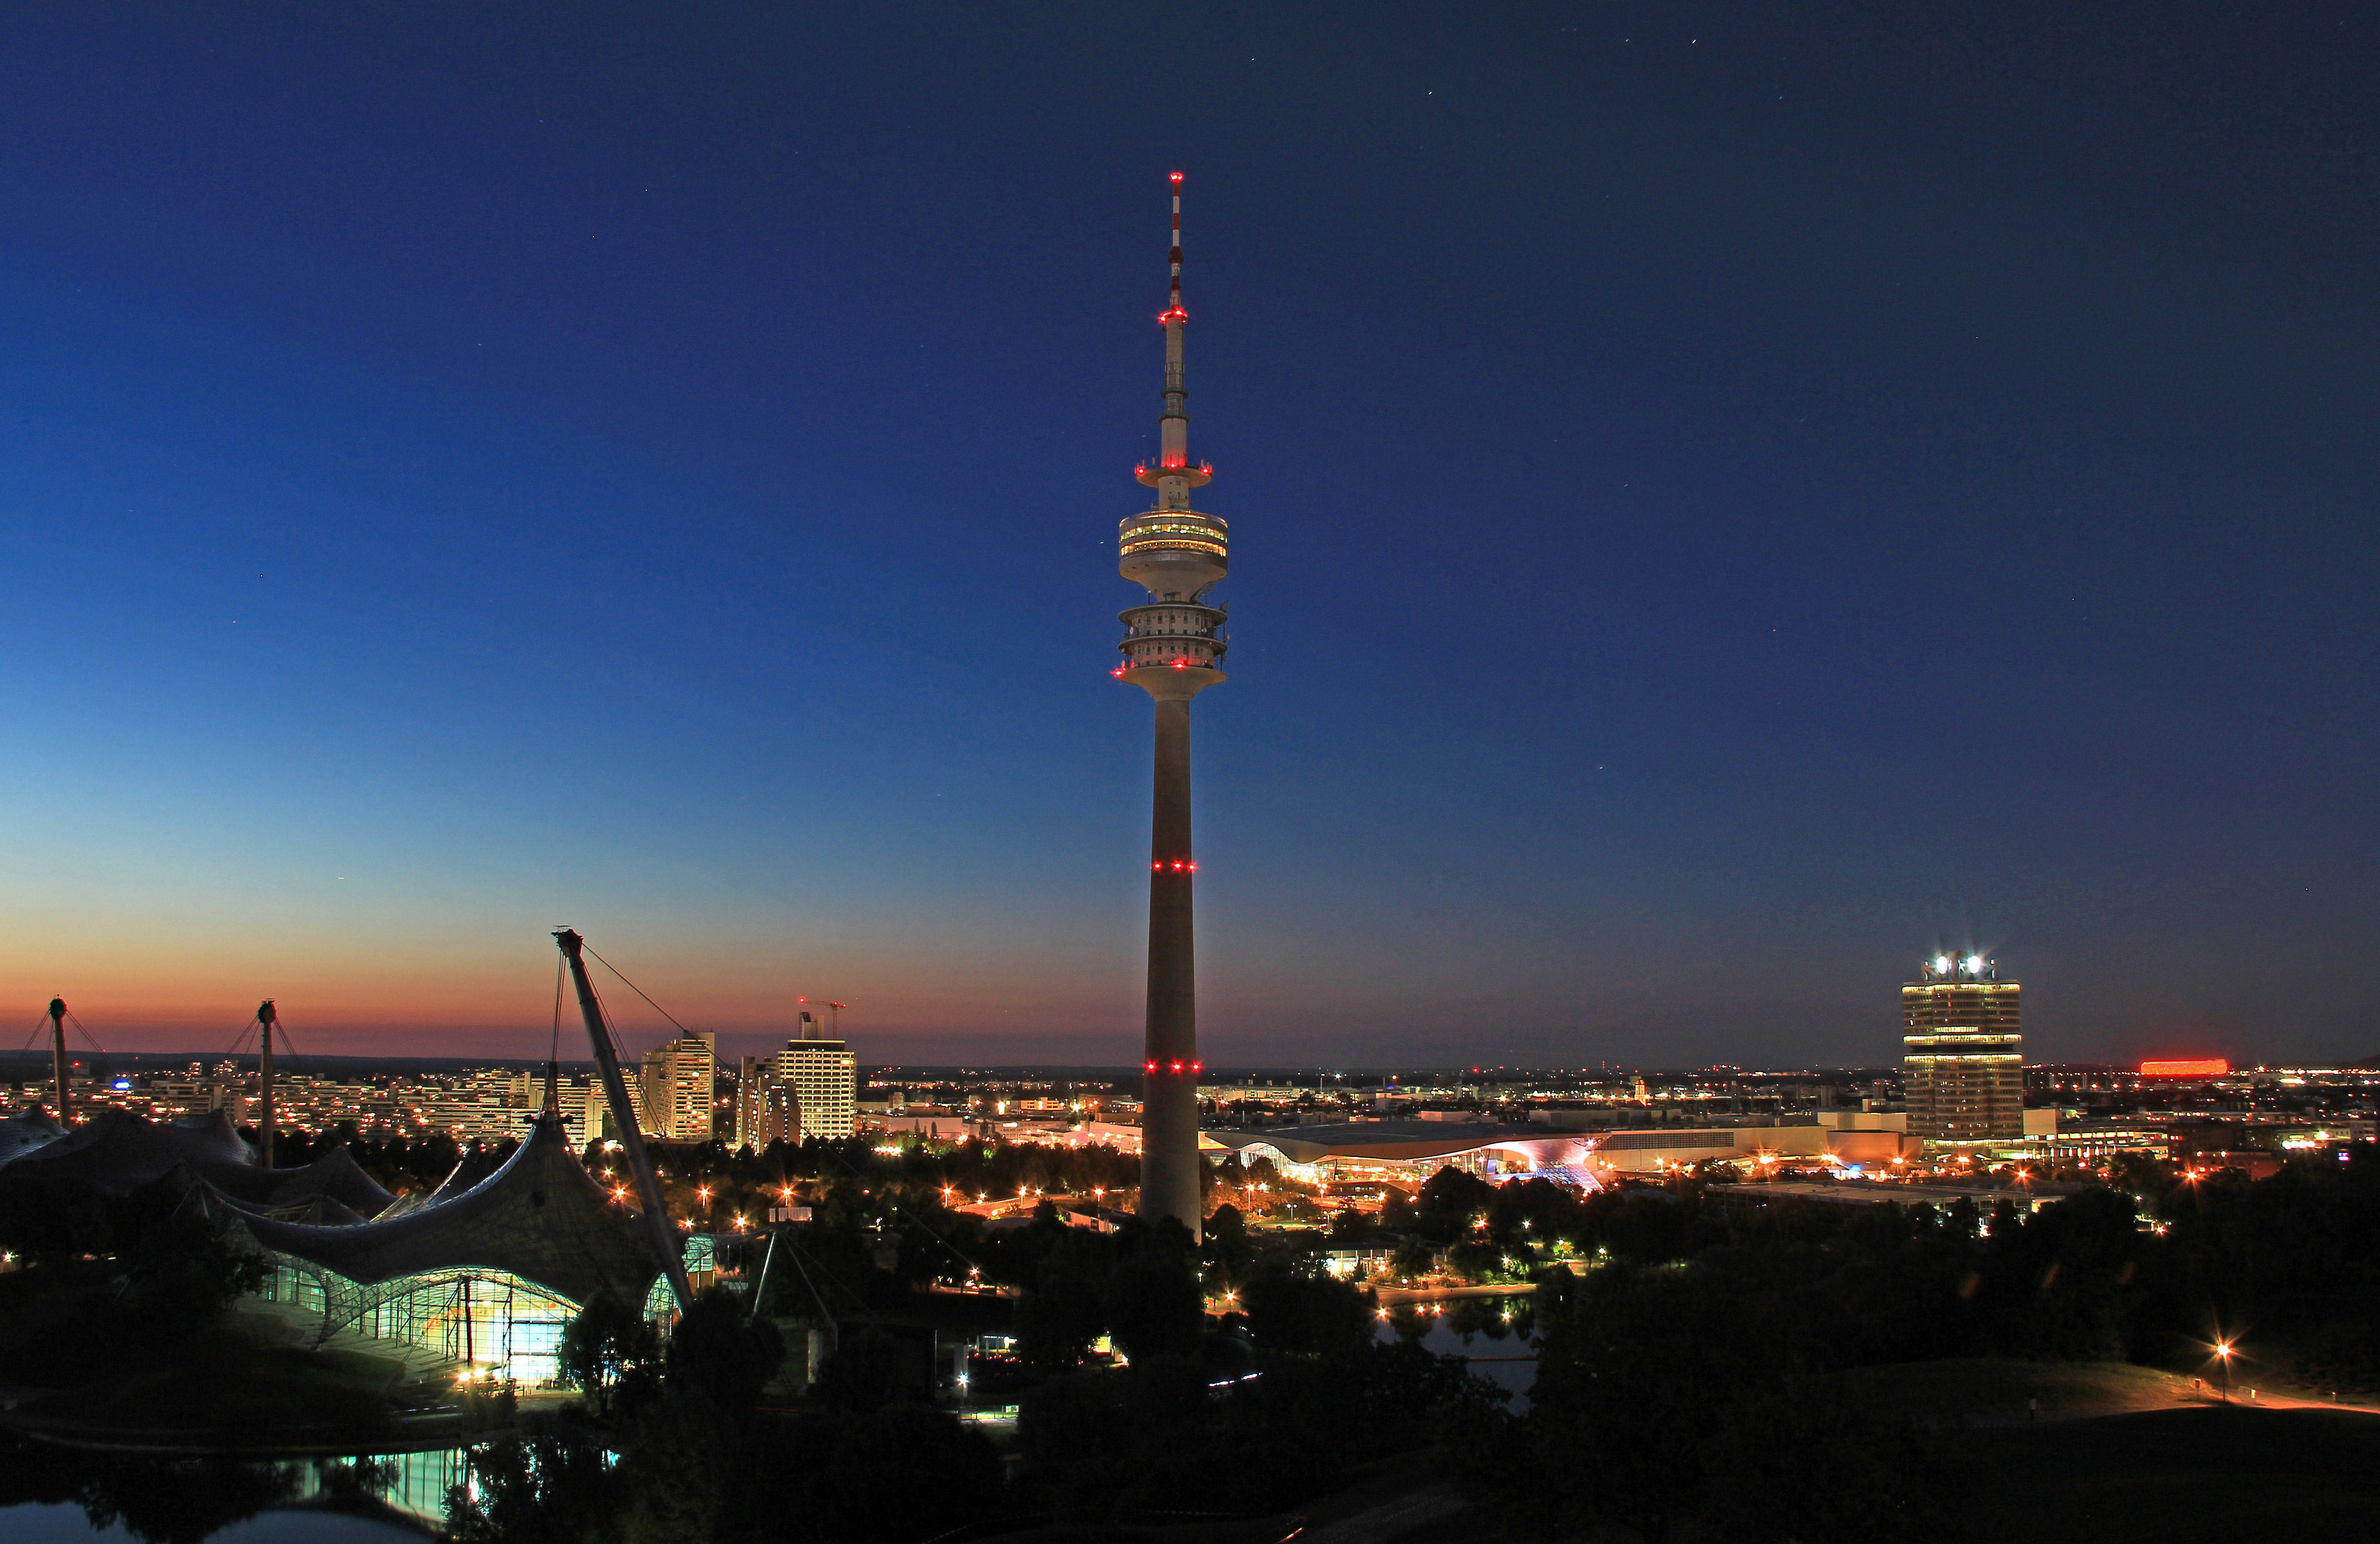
<point x="1189" y="522"/>
<point x="1176" y="544"/>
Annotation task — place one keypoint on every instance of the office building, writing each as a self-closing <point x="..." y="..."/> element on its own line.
<point x="1964" y="1065"/>
<point x="824" y="1078"/>
<point x="677" y="1081"/>
<point x="765" y="1110"/>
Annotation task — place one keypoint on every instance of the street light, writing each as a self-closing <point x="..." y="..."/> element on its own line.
<point x="2223" y="1351"/>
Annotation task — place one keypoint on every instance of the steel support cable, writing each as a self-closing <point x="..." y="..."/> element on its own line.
<point x="603" y="1011"/>
<point x="760" y="1287"/>
<point x="44" y="1022"/>
<point x="799" y="1254"/>
<point x="552" y="1100"/>
<point x="289" y="1045"/>
<point x="85" y="1034"/>
<point x="837" y="1156"/>
<point x="638" y="991"/>
<point x="894" y="1201"/>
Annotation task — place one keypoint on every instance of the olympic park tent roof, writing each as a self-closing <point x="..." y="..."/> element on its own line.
<point x="540" y="1217"/>
<point x="115" y="1151"/>
<point x="334" y="1177"/>
<point x="26" y="1129"/>
<point x="1399" y="1141"/>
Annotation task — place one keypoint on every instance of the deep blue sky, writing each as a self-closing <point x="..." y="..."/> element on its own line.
<point x="1724" y="497"/>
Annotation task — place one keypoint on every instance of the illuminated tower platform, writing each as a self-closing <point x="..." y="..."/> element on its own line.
<point x="1171" y="648"/>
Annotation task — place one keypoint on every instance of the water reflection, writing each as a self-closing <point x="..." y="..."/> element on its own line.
<point x="62" y="1493"/>
<point x="1498" y="1335"/>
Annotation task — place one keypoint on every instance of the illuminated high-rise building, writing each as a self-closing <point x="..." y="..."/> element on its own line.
<point x="1964" y="1063"/>
<point x="676" y="1081"/>
<point x="765" y="1110"/>
<point x="824" y="1077"/>
<point x="1172" y="648"/>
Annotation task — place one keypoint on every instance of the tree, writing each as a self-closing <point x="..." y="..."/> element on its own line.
<point x="1154" y="1303"/>
<point x="1066" y="1309"/>
<point x="720" y="1350"/>
<point x="865" y="1374"/>
<point x="1449" y="1201"/>
<point x="611" y="1355"/>
<point x="1302" y="1311"/>
<point x="1475" y="1261"/>
<point x="1226" y="1244"/>
<point x="181" y="1277"/>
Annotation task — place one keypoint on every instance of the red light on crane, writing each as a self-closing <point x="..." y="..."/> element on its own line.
<point x="1177" y="178"/>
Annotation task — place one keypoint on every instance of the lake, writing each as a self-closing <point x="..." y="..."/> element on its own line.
<point x="1495" y="1334"/>
<point x="52" y="1495"/>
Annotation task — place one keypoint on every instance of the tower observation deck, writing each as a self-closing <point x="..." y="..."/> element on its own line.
<point x="1171" y="648"/>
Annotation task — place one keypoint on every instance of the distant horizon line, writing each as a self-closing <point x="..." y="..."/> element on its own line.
<point x="40" y="1060"/>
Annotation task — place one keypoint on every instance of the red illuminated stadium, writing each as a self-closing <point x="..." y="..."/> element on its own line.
<point x="2209" y="1067"/>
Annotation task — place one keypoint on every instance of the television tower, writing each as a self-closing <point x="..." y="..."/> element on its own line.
<point x="1170" y="648"/>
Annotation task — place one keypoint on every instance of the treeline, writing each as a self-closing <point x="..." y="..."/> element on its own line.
<point x="1242" y="1414"/>
<point x="1682" y="1382"/>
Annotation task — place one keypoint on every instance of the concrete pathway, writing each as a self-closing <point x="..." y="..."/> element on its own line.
<point x="1391" y="1296"/>
<point x="1390" y="1519"/>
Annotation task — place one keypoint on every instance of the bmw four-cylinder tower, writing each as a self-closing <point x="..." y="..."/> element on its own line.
<point x="1171" y="648"/>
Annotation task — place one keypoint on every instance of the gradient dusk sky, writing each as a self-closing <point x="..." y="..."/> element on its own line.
<point x="1725" y="498"/>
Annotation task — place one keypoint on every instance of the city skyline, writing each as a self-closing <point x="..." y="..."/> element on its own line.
<point x="1747" y="500"/>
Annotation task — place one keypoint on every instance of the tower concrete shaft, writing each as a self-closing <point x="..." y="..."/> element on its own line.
<point x="1171" y="648"/>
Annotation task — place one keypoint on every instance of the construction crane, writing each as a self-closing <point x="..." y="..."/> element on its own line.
<point x="623" y="1115"/>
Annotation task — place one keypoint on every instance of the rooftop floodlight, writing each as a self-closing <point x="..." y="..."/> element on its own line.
<point x="1941" y="962"/>
<point x="1974" y="964"/>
